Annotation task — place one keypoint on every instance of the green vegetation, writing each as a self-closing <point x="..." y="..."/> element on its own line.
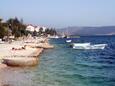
<point x="50" y="31"/>
<point x="12" y="27"/>
<point x="15" y="27"/>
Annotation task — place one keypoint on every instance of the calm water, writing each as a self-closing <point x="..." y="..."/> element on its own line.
<point x="63" y="66"/>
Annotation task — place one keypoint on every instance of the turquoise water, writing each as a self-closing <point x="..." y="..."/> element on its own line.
<point x="64" y="66"/>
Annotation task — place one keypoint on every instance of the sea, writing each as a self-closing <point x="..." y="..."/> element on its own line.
<point x="64" y="66"/>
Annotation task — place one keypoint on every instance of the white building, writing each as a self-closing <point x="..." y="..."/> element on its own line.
<point x="44" y="28"/>
<point x="37" y="28"/>
<point x="32" y="28"/>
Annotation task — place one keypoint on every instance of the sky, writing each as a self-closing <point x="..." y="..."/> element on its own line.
<point x="60" y="13"/>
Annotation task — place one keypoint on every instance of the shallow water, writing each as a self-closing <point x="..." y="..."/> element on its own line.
<point x="64" y="66"/>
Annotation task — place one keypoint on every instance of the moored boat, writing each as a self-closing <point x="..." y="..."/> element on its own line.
<point x="88" y="46"/>
<point x="80" y="45"/>
<point x="54" y="37"/>
<point x="68" y="41"/>
<point x="98" y="46"/>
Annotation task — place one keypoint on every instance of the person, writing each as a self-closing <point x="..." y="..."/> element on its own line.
<point x="22" y="48"/>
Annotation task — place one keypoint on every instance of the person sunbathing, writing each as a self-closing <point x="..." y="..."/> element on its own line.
<point x="22" y="48"/>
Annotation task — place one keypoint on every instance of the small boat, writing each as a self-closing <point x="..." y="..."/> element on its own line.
<point x="68" y="41"/>
<point x="80" y="45"/>
<point x="88" y="46"/>
<point x="54" y="37"/>
<point x="98" y="46"/>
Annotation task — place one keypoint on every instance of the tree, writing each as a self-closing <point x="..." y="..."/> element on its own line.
<point x="12" y="26"/>
<point x="17" y="27"/>
<point x="34" y="33"/>
<point x="50" y="31"/>
<point x="47" y="31"/>
<point x="0" y="20"/>
<point x="40" y="31"/>
<point x="3" y="31"/>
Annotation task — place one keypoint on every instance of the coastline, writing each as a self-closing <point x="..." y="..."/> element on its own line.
<point x="19" y="53"/>
<point x="14" y="56"/>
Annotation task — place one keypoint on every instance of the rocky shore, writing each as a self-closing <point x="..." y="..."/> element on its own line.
<point x="22" y="53"/>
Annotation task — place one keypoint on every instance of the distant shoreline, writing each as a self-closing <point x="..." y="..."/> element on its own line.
<point x="90" y="35"/>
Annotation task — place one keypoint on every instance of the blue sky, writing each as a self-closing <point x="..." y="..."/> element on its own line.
<point x="61" y="13"/>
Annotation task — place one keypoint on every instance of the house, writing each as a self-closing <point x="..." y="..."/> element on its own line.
<point x="37" y="28"/>
<point x="30" y="28"/>
<point x="44" y="28"/>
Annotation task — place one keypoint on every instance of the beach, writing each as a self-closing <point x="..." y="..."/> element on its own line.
<point x="20" y="54"/>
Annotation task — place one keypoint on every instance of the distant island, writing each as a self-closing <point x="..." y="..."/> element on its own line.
<point x="87" y="31"/>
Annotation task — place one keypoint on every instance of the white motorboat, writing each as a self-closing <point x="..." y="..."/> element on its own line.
<point x="80" y="45"/>
<point x="98" y="46"/>
<point x="68" y="41"/>
<point x="88" y="46"/>
<point x="55" y="37"/>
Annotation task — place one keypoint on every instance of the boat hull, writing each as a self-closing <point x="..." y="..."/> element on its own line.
<point x="88" y="46"/>
<point x="68" y="41"/>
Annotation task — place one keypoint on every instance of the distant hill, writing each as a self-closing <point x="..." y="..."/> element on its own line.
<point x="104" y="30"/>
